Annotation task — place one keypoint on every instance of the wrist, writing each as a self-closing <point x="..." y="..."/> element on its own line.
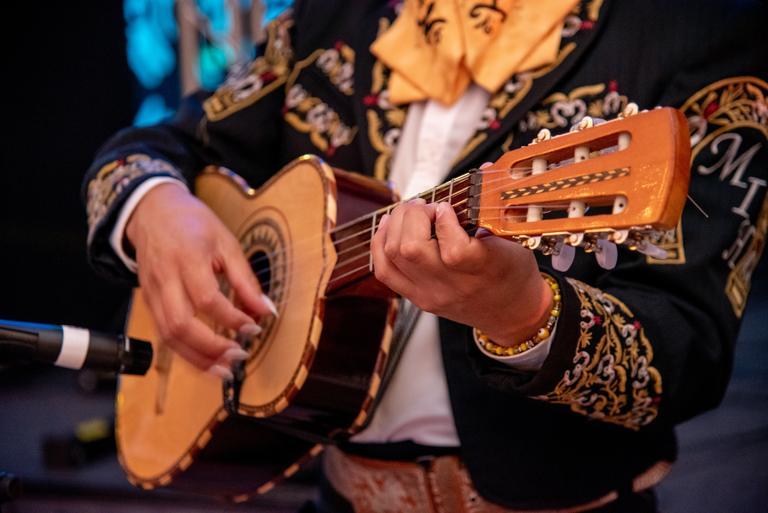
<point x="144" y="211"/>
<point x="541" y="300"/>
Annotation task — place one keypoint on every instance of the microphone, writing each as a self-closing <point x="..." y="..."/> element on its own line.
<point x="74" y="348"/>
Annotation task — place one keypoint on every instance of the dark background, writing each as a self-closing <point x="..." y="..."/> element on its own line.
<point x="67" y="88"/>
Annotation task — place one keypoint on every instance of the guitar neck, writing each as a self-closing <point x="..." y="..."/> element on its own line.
<point x="353" y="239"/>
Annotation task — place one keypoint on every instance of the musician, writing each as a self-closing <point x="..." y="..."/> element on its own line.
<point x="581" y="416"/>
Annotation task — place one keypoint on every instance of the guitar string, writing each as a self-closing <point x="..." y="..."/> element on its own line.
<point x="388" y="209"/>
<point x="367" y="229"/>
<point x="358" y="256"/>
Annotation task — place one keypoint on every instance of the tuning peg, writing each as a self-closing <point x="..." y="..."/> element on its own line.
<point x="630" y="110"/>
<point x="562" y="257"/>
<point x="606" y="254"/>
<point x="575" y="239"/>
<point x="649" y="249"/>
<point x="543" y="135"/>
<point x="532" y="242"/>
<point x="583" y="124"/>
<point x="620" y="236"/>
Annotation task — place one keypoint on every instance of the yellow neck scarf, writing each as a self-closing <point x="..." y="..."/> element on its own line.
<point x="436" y="48"/>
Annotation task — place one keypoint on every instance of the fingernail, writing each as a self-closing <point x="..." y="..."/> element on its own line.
<point x="235" y="354"/>
<point x="383" y="221"/>
<point x="442" y="208"/>
<point x="250" y="329"/>
<point x="221" y="372"/>
<point x="270" y="304"/>
<point x="418" y="201"/>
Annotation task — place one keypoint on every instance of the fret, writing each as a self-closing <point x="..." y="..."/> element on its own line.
<point x="450" y="193"/>
<point x="434" y="190"/>
<point x="373" y="232"/>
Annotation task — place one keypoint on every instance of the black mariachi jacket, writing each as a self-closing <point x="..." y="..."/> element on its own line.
<point x="637" y="349"/>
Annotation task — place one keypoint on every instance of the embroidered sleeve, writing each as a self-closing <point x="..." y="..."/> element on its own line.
<point x="612" y="378"/>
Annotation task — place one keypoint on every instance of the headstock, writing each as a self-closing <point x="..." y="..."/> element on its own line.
<point x="614" y="182"/>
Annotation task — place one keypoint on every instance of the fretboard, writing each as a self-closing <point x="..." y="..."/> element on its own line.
<point x="353" y="239"/>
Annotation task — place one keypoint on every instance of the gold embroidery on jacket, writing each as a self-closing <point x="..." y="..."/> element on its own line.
<point x="385" y="120"/>
<point x="563" y="110"/>
<point x="313" y="116"/>
<point x="248" y="83"/>
<point x="613" y="378"/>
<point x="718" y="116"/>
<point x="338" y="64"/>
<point x="114" y="177"/>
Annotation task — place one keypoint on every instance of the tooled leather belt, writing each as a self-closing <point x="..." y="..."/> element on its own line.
<point x="433" y="485"/>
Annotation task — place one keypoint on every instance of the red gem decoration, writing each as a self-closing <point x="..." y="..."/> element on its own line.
<point x="371" y="99"/>
<point x="597" y="320"/>
<point x="268" y="76"/>
<point x="587" y="25"/>
<point x="637" y="325"/>
<point x="338" y="45"/>
<point x="613" y="86"/>
<point x="710" y="109"/>
<point x="330" y="151"/>
<point x="494" y="125"/>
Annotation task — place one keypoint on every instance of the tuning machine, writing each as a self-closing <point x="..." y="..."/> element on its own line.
<point x="641" y="241"/>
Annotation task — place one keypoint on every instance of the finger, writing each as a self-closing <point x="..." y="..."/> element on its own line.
<point x="417" y="247"/>
<point x="485" y="164"/>
<point x="385" y="271"/>
<point x="156" y="310"/>
<point x="392" y="244"/>
<point x="390" y="233"/>
<point x="202" y="288"/>
<point x="183" y="329"/>
<point x="242" y="280"/>
<point x="457" y="249"/>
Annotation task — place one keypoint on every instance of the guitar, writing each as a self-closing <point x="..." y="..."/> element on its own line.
<point x="315" y="370"/>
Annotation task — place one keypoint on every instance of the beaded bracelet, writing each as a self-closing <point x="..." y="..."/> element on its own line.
<point x="542" y="334"/>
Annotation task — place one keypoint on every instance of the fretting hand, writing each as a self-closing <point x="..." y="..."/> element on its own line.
<point x="485" y="282"/>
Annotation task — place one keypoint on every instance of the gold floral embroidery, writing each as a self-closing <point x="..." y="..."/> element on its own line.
<point x="246" y="84"/>
<point x="612" y="379"/>
<point x="338" y="63"/>
<point x="562" y="110"/>
<point x="725" y="105"/>
<point x="385" y="120"/>
<point x="311" y="115"/>
<point x="112" y="179"/>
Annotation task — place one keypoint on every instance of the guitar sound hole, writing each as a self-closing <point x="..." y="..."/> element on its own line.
<point x="260" y="264"/>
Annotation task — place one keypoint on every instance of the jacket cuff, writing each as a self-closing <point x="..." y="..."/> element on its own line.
<point x="599" y="363"/>
<point x="106" y="193"/>
<point x="117" y="239"/>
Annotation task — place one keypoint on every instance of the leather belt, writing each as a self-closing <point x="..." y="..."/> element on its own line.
<point x="433" y="485"/>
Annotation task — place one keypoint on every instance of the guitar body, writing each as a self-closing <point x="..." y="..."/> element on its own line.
<point x="315" y="368"/>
